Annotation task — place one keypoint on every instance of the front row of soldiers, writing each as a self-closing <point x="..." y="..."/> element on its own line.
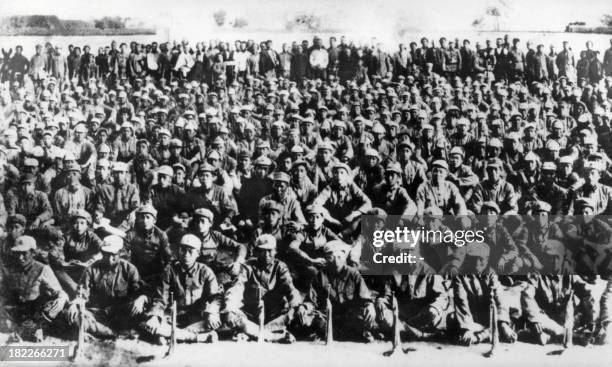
<point x="221" y="293"/>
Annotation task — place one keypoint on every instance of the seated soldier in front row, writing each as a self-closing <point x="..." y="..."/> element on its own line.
<point x="196" y="292"/>
<point x="353" y="314"/>
<point x="31" y="297"/>
<point x="473" y="294"/>
<point x="266" y="279"/>
<point x="112" y="291"/>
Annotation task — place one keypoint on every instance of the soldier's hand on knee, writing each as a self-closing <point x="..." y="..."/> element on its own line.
<point x="53" y="308"/>
<point x="468" y="338"/>
<point x="72" y="313"/>
<point x="138" y="305"/>
<point x="152" y="325"/>
<point x="212" y="320"/>
<point x="507" y="333"/>
<point x="232" y="319"/>
<point x="302" y="314"/>
<point x="380" y="306"/>
<point x="369" y="314"/>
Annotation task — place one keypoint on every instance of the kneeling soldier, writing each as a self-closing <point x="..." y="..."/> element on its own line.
<point x="353" y="310"/>
<point x="196" y="291"/>
<point x="266" y="279"/>
<point x="31" y="297"/>
<point x="112" y="290"/>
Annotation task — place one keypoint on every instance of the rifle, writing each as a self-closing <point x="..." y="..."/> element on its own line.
<point x="396" y="339"/>
<point x="493" y="324"/>
<point x="329" y="334"/>
<point x="569" y="321"/>
<point x="262" y="315"/>
<point x="172" y="344"/>
<point x="78" y="349"/>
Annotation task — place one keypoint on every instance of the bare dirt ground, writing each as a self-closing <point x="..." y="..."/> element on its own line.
<point x="226" y="353"/>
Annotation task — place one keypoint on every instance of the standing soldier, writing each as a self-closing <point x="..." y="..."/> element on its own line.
<point x="32" y="298"/>
<point x="516" y="61"/>
<point x="112" y="291"/>
<point x="194" y="287"/>
<point x="267" y="279"/>
<point x="353" y="313"/>
<point x="566" y="63"/>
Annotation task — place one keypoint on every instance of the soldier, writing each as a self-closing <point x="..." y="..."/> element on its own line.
<point x="147" y="245"/>
<point x="473" y="294"/>
<point x="391" y="196"/>
<point x="211" y="196"/>
<point x="344" y="201"/>
<point x="545" y="301"/>
<point x="494" y="189"/>
<point x="440" y="193"/>
<point x="196" y="292"/>
<point x="212" y="240"/>
<point x="118" y="200"/>
<point x="423" y="301"/>
<point x="306" y="253"/>
<point x="32" y="204"/>
<point x="32" y="298"/>
<point x="599" y="194"/>
<point x="292" y="211"/>
<point x="166" y="197"/>
<point x="81" y="249"/>
<point x="15" y="228"/>
<point x="460" y="174"/>
<point x="74" y="196"/>
<point x="111" y="291"/>
<point x="353" y="312"/>
<point x="269" y="280"/>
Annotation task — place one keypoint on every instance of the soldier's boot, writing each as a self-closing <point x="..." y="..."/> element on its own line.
<point x="32" y="330"/>
<point x="99" y="330"/>
<point x="208" y="337"/>
<point x="367" y="337"/>
<point x="484" y="336"/>
<point x="540" y="335"/>
<point x="413" y="333"/>
<point x="240" y="337"/>
<point x="604" y="334"/>
<point x="14" y="338"/>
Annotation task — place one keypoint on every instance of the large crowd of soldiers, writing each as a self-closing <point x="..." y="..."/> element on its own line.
<point x="229" y="177"/>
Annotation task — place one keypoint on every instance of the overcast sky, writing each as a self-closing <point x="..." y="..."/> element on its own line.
<point x="344" y="14"/>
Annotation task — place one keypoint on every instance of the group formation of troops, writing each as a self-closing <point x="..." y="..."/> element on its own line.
<point x="225" y="178"/>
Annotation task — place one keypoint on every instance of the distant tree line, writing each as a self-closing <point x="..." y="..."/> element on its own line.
<point x="52" y="25"/>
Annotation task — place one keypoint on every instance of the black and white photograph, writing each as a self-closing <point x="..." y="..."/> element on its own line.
<point x="364" y="183"/>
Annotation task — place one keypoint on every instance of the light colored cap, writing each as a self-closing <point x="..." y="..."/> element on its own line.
<point x="265" y="242"/>
<point x="24" y="243"/>
<point x="192" y="241"/>
<point x="112" y="244"/>
<point x="165" y="170"/>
